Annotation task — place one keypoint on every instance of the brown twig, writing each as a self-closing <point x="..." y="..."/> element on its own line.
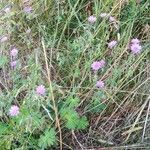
<point x="51" y="91"/>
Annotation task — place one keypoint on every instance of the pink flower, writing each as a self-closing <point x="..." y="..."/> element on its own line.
<point x="40" y="90"/>
<point x="92" y="19"/>
<point x="102" y="15"/>
<point x="102" y="63"/>
<point x="14" y="52"/>
<point x="14" y="110"/>
<point x="135" y="48"/>
<point x="4" y="39"/>
<point x="112" y="19"/>
<point x="135" y="41"/>
<point x="13" y="64"/>
<point x="27" y="9"/>
<point x="98" y="65"/>
<point x="112" y="44"/>
<point x="100" y="84"/>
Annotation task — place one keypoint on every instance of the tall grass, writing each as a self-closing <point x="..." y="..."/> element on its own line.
<point x="57" y="46"/>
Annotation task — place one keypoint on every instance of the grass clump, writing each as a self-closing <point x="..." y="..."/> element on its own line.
<point x="74" y="74"/>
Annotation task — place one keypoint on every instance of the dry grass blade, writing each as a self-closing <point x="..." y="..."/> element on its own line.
<point x="52" y="96"/>
<point x="138" y="117"/>
<point x="146" y="120"/>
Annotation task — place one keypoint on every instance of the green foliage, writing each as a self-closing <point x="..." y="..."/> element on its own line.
<point x="73" y="120"/>
<point x="69" y="46"/>
<point x="5" y="140"/>
<point x="96" y="105"/>
<point x="82" y="123"/>
<point x="48" y="138"/>
<point x="72" y="102"/>
<point x="5" y="144"/>
<point x="71" y="117"/>
<point x="3" y="61"/>
<point x="3" y="128"/>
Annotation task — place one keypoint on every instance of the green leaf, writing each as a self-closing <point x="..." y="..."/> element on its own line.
<point x="72" y="102"/>
<point x="82" y="123"/>
<point x="96" y="105"/>
<point x="29" y="119"/>
<point x="48" y="139"/>
<point x="117" y="72"/>
<point x="99" y="95"/>
<point x="3" y="61"/>
<point x="69" y="116"/>
<point x="3" y="128"/>
<point x="73" y="120"/>
<point x="5" y="144"/>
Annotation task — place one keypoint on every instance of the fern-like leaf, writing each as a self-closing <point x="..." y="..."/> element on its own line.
<point x="48" y="139"/>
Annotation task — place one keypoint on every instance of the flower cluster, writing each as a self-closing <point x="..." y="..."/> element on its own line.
<point x="111" y="19"/>
<point x="13" y="54"/>
<point x="40" y="90"/>
<point x="97" y="65"/>
<point x="92" y="19"/>
<point x="14" y="110"/>
<point x="135" y="46"/>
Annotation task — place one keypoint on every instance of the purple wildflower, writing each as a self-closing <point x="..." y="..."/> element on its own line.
<point x="92" y="19"/>
<point x="135" y="48"/>
<point x="3" y="39"/>
<point x="112" y="19"/>
<point x="13" y="64"/>
<point x="102" y="63"/>
<point x="14" y="52"/>
<point x="102" y="15"/>
<point x="14" y="111"/>
<point x="112" y="44"/>
<point x="95" y="65"/>
<point x="135" y="41"/>
<point x="98" y="65"/>
<point x="40" y="90"/>
<point x="100" y="84"/>
<point x="27" y="9"/>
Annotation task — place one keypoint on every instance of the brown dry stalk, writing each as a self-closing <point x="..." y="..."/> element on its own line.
<point x="51" y="91"/>
<point x="137" y="119"/>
